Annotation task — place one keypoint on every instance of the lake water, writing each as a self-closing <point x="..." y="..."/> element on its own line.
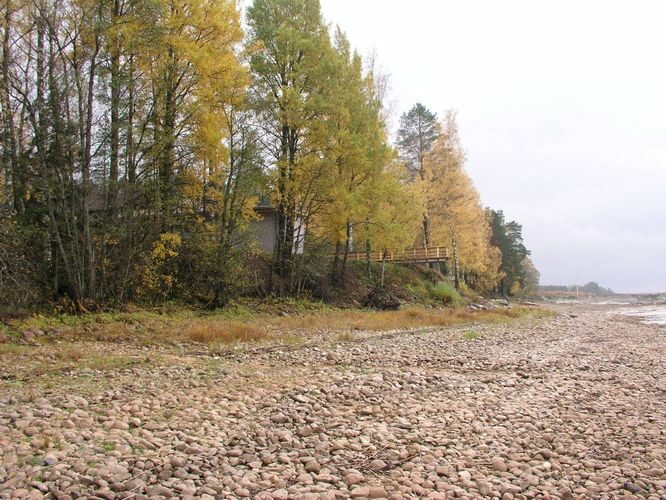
<point x="648" y="308"/>
<point x="653" y="315"/>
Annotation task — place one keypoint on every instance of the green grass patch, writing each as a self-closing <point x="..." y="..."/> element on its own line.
<point x="471" y="335"/>
<point x="108" y="446"/>
<point x="421" y="291"/>
<point x="446" y="293"/>
<point x="129" y="324"/>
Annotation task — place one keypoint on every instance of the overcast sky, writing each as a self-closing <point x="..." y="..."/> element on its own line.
<point x="562" y="111"/>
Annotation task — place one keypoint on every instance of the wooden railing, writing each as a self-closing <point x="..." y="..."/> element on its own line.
<point x="434" y="254"/>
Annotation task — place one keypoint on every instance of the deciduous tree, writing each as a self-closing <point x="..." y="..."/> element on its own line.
<point x="455" y="208"/>
<point x="293" y="67"/>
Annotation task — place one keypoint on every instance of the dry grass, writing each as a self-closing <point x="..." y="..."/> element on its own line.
<point x="294" y="329"/>
<point x="225" y="333"/>
<point x="23" y="368"/>
<point x="69" y="353"/>
<point x="46" y="442"/>
<point x="393" y="320"/>
<point x="112" y="332"/>
<point x="221" y="330"/>
<point x="345" y="337"/>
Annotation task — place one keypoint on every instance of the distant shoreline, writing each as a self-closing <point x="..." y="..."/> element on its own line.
<point x="648" y="308"/>
<point x="619" y="298"/>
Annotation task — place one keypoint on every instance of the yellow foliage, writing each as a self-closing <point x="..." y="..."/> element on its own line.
<point x="158" y="274"/>
<point x="188" y="53"/>
<point x="454" y="207"/>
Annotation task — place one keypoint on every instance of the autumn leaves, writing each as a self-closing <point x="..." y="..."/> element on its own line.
<point x="127" y="124"/>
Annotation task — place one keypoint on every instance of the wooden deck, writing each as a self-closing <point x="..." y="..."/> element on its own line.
<point x="411" y="256"/>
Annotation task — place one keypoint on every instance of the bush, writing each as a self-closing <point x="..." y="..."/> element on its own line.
<point x="20" y="284"/>
<point x="159" y="271"/>
<point x="466" y="291"/>
<point x="446" y="292"/>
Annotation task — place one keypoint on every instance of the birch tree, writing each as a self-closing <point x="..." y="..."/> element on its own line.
<point x="293" y="69"/>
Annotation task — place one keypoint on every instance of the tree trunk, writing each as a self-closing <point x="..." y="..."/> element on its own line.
<point x="89" y="260"/>
<point x="426" y="230"/>
<point x="284" y="249"/>
<point x="456" y="270"/>
<point x="368" y="250"/>
<point x="281" y="208"/>
<point x="336" y="263"/>
<point x="348" y="239"/>
<point x="11" y="160"/>
<point x="130" y="153"/>
<point x="426" y="217"/>
<point x="114" y="153"/>
<point x="168" y="142"/>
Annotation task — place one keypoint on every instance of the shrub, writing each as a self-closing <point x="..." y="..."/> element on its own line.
<point x="158" y="273"/>
<point x="446" y="292"/>
<point x="20" y="284"/>
<point x="466" y="291"/>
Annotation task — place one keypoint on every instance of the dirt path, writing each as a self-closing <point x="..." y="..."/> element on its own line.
<point x="561" y="407"/>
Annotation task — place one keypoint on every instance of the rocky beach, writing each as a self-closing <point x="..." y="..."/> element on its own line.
<point x="571" y="406"/>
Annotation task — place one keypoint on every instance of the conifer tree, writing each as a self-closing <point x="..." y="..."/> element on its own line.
<point x="416" y="136"/>
<point x="508" y="238"/>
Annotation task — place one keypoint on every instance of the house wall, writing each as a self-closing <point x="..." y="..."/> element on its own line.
<point x="299" y="236"/>
<point x="264" y="231"/>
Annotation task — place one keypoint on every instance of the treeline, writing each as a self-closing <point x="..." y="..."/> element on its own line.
<point x="592" y="287"/>
<point x="138" y="138"/>
<point x="487" y="251"/>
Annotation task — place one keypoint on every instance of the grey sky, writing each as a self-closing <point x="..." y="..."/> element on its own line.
<point x="561" y="109"/>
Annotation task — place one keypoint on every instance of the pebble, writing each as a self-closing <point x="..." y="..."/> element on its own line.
<point x="562" y="407"/>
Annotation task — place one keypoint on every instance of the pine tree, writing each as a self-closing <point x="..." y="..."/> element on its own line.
<point x="416" y="136"/>
<point x="508" y="237"/>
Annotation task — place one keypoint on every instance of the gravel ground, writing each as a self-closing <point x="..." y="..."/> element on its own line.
<point x="566" y="407"/>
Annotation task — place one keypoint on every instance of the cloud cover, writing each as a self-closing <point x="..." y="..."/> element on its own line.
<point x="561" y="110"/>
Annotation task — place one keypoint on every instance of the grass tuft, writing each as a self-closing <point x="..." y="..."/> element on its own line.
<point x="109" y="446"/>
<point x="345" y="336"/>
<point x="69" y="353"/>
<point x="225" y="333"/>
<point x="111" y="363"/>
<point x="471" y="335"/>
<point x="446" y="293"/>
